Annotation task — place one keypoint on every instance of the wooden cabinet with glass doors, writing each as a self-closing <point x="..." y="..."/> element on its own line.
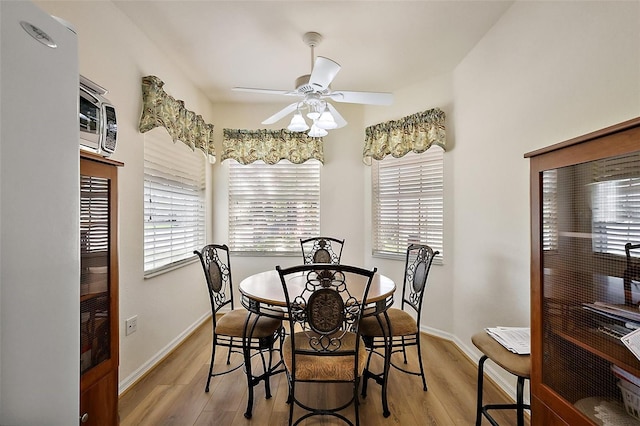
<point x="98" y="290"/>
<point x="585" y="292"/>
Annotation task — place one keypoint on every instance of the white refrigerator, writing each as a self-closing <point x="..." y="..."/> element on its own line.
<point x="39" y="217"/>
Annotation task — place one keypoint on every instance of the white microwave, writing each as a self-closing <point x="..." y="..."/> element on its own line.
<point x="97" y="117"/>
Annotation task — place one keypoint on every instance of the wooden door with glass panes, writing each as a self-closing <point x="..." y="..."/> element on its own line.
<point x="98" y="290"/>
<point x="585" y="209"/>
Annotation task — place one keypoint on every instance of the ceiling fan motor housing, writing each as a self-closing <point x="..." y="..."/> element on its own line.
<point x="303" y="87"/>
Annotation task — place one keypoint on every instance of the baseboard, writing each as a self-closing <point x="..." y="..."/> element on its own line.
<point x="138" y="374"/>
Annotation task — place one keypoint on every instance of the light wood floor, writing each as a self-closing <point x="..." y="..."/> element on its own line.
<point x="173" y="392"/>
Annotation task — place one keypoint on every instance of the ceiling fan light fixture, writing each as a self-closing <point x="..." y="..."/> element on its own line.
<point x="314" y="89"/>
<point x="297" y="123"/>
<point x="314" y="112"/>
<point x="317" y="132"/>
<point x="326" y="120"/>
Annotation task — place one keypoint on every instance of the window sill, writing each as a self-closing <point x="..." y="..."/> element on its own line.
<point x="170" y="267"/>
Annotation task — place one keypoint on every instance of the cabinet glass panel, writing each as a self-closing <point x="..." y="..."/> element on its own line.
<point x="95" y="339"/>
<point x="591" y="284"/>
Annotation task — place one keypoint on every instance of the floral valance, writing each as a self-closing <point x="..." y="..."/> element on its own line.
<point x="415" y="133"/>
<point x="270" y="146"/>
<point x="161" y="109"/>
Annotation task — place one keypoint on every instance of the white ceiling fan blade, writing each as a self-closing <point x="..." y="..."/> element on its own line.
<point x="282" y="113"/>
<point x="264" y="91"/>
<point x="369" y="98"/>
<point x="323" y="73"/>
<point x="340" y="121"/>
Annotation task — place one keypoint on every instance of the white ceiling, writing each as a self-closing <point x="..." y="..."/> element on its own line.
<point x="381" y="45"/>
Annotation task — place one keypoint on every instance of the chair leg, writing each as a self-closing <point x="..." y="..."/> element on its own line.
<point x="356" y="401"/>
<point x="424" y="380"/>
<point x="365" y="375"/>
<point x="520" y="401"/>
<point x="267" y="369"/>
<point x="292" y="389"/>
<point x="404" y="350"/>
<point x="289" y="391"/>
<point x="385" y="405"/>
<point x="213" y="355"/>
<point x="387" y="367"/>
<point x="480" y="384"/>
<point x="229" y="352"/>
<point x="247" y="366"/>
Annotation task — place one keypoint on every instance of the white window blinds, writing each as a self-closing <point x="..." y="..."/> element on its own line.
<point x="615" y="203"/>
<point x="408" y="202"/>
<point x="94" y="215"/>
<point x="550" y="210"/>
<point x="272" y="206"/>
<point x="174" y="203"/>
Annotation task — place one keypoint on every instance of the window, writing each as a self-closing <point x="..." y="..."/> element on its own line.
<point x="408" y="202"/>
<point x="174" y="200"/>
<point x="616" y="217"/>
<point x="550" y="210"/>
<point x="272" y="206"/>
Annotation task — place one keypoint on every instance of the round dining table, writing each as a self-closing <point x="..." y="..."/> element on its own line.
<point x="262" y="294"/>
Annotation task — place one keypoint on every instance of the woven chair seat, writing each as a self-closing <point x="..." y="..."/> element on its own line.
<point x="324" y="368"/>
<point x="402" y="324"/>
<point x="233" y="322"/>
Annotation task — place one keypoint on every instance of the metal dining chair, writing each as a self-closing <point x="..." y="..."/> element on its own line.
<point x="230" y="325"/>
<point x="328" y="347"/>
<point x="321" y="250"/>
<point x="404" y="322"/>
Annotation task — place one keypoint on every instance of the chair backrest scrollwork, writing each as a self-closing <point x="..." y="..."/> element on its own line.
<point x="216" y="265"/>
<point x="324" y="310"/>
<point x="418" y="263"/>
<point x="321" y="250"/>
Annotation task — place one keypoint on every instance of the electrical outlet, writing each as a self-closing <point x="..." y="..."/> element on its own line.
<point x="131" y="325"/>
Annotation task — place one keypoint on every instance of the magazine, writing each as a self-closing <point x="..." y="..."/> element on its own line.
<point x="514" y="339"/>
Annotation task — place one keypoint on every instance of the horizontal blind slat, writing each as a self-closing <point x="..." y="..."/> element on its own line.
<point x="272" y="206"/>
<point x="408" y="202"/>
<point x="174" y="202"/>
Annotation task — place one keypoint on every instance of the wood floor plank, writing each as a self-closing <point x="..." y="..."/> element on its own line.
<point x="173" y="392"/>
<point x="153" y="409"/>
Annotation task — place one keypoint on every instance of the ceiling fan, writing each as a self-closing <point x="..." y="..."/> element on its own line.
<point x="315" y="90"/>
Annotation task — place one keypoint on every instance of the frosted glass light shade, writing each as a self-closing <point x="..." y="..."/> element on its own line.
<point x="326" y="121"/>
<point x="317" y="132"/>
<point x="297" y="123"/>
<point x="313" y="115"/>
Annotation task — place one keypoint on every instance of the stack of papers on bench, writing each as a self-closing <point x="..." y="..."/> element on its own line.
<point x="515" y="339"/>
